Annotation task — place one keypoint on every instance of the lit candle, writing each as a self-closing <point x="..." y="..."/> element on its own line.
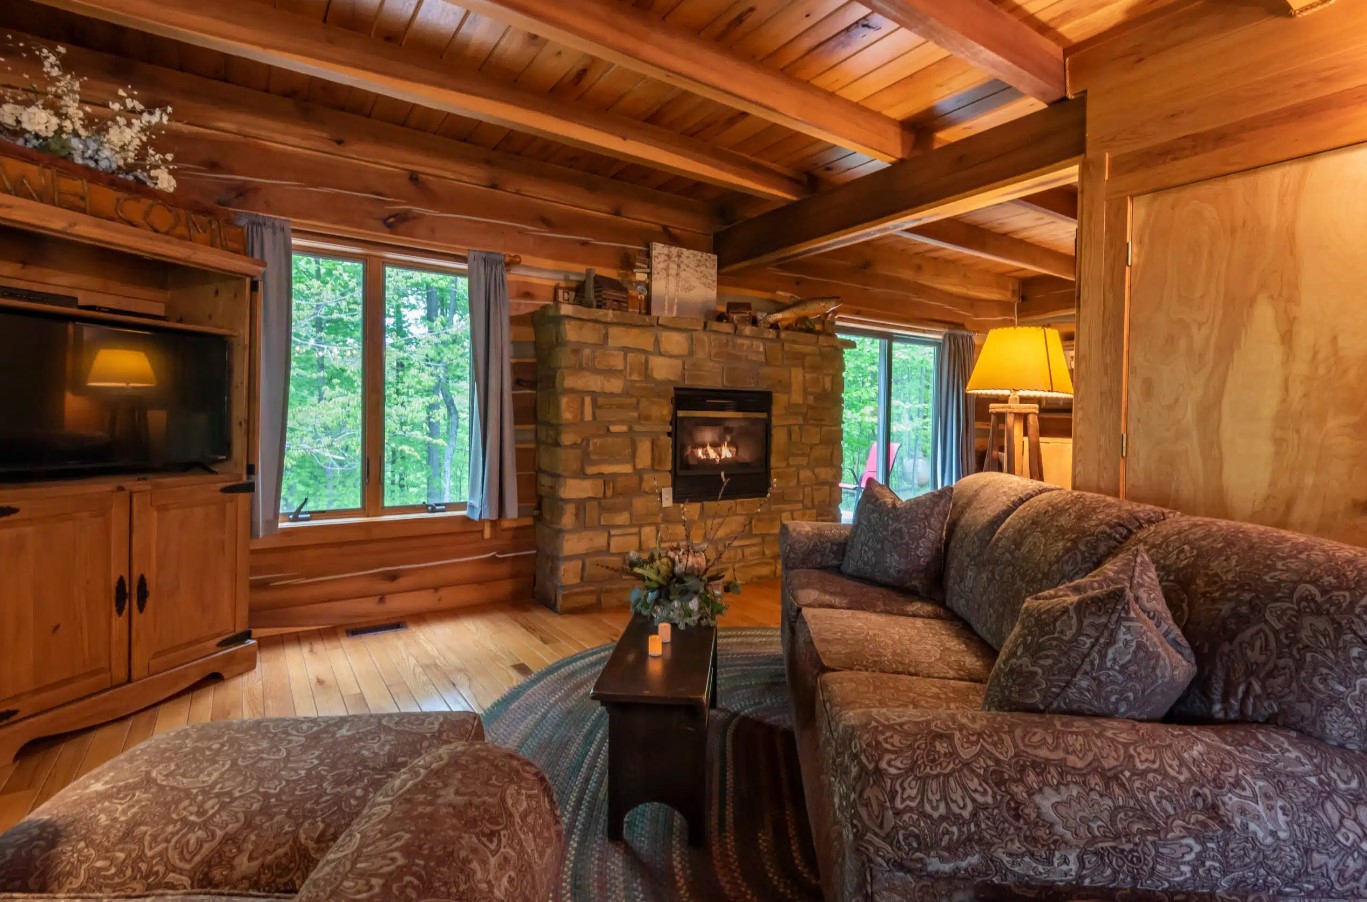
<point x="666" y="632"/>
<point x="657" y="647"/>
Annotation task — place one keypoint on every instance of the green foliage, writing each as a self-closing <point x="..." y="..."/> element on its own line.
<point x="678" y="586"/>
<point x="323" y="438"/>
<point x="910" y="423"/>
<point x="427" y="387"/>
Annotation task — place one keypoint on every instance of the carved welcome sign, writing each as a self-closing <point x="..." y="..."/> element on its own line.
<point x="58" y="183"/>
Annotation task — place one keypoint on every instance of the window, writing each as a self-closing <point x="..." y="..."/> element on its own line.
<point x="888" y="416"/>
<point x="379" y="396"/>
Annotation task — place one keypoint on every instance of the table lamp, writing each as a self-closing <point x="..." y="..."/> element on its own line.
<point x="1015" y="361"/>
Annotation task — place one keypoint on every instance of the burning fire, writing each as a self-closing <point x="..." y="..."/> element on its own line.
<point x="713" y="453"/>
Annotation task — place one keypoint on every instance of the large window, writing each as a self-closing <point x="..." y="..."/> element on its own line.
<point x="888" y="416"/>
<point x="379" y="399"/>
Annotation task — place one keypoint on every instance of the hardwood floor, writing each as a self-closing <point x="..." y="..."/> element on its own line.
<point x="460" y="660"/>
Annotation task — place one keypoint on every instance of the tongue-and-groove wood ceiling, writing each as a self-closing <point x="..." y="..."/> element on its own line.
<point x="778" y="98"/>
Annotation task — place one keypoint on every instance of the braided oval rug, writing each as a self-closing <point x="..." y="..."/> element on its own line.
<point x="759" y="846"/>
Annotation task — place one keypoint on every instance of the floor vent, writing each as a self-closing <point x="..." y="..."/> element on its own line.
<point x="377" y="628"/>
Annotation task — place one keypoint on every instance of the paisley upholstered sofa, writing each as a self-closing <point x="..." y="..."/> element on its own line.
<point x="1254" y="786"/>
<point x="328" y="809"/>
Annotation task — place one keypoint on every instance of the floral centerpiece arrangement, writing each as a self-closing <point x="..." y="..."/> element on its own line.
<point x="47" y="115"/>
<point x="684" y="584"/>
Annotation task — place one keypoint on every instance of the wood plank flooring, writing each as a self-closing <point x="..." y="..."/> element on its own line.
<point x="456" y="661"/>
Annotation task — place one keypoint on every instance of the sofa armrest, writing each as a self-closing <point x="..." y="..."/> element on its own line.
<point x="468" y="822"/>
<point x="1050" y="801"/>
<point x="811" y="545"/>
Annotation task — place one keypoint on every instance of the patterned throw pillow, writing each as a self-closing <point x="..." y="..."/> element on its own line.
<point x="899" y="543"/>
<point x="1104" y="645"/>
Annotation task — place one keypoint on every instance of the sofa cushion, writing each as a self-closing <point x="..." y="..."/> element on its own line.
<point x="1004" y="798"/>
<point x="1044" y="541"/>
<point x="1277" y="622"/>
<point x="831" y="589"/>
<point x="236" y="807"/>
<point x="886" y="643"/>
<point x="980" y="506"/>
<point x="899" y="543"/>
<point x="1104" y="645"/>
<point x="847" y="691"/>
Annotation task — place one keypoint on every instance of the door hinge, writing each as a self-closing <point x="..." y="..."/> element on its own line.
<point x="235" y="639"/>
<point x="239" y="488"/>
<point x="7" y="714"/>
<point x="7" y="511"/>
<point x="142" y="592"/>
<point x="120" y="597"/>
<point x="1124" y="444"/>
<point x="1129" y="253"/>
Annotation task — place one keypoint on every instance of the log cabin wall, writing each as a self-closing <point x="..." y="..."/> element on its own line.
<point x="1195" y="94"/>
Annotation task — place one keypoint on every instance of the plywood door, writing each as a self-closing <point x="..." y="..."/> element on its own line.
<point x="1248" y="347"/>
<point x="62" y="634"/>
<point x="189" y="574"/>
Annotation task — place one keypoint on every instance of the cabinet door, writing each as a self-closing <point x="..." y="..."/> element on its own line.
<point x="63" y="598"/>
<point x="189" y="574"/>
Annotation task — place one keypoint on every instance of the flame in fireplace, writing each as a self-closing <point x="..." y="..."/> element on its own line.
<point x="711" y="453"/>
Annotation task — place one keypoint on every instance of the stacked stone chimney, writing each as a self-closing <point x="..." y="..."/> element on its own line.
<point x="605" y="387"/>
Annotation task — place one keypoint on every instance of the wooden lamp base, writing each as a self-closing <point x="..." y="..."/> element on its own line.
<point x="1009" y="420"/>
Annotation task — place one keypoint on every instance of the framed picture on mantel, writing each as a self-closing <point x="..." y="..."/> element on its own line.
<point x="682" y="282"/>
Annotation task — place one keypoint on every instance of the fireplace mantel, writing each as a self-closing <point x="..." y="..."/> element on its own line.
<point x="605" y="407"/>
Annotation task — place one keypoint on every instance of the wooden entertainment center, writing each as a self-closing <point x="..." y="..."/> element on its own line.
<point x="121" y="590"/>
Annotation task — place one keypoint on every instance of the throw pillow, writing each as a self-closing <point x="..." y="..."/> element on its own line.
<point x="899" y="543"/>
<point x="1104" y="645"/>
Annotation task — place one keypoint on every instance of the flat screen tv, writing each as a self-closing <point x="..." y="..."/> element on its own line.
<point x="78" y="396"/>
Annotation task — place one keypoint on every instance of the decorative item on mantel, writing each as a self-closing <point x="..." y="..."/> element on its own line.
<point x="682" y="282"/>
<point x="809" y="315"/>
<point x="602" y="293"/>
<point x="47" y="115"/>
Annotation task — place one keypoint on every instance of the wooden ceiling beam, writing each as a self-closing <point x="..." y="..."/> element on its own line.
<point x="267" y="35"/>
<point x="642" y="42"/>
<point x="1059" y="204"/>
<point x="982" y="33"/>
<point x="870" y="297"/>
<point x="1013" y="160"/>
<point x="953" y="235"/>
<point x="219" y="106"/>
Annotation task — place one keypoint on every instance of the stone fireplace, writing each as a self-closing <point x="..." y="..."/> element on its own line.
<point x="638" y="417"/>
<point x="721" y="443"/>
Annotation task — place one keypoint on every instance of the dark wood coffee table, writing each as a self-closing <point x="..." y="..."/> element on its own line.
<point x="657" y="723"/>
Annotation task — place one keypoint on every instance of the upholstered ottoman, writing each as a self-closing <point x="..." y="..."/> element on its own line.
<point x="325" y="809"/>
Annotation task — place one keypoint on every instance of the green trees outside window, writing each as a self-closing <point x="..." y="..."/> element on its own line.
<point x="426" y="388"/>
<point x="379" y="397"/>
<point x="889" y="393"/>
<point x="324" y="453"/>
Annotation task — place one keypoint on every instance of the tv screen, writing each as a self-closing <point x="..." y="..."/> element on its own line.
<point x="79" y="396"/>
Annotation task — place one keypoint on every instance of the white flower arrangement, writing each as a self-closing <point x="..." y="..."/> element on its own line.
<point x="116" y="138"/>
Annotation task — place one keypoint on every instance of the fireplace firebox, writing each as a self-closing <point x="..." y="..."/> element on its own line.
<point x="721" y="432"/>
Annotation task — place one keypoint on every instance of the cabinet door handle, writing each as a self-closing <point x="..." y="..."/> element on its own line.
<point x="120" y="597"/>
<point x="142" y="592"/>
<point x="8" y="511"/>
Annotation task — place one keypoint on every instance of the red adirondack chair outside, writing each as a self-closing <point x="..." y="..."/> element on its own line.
<point x="871" y="467"/>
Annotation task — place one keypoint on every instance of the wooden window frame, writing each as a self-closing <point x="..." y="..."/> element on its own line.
<point x="375" y="263"/>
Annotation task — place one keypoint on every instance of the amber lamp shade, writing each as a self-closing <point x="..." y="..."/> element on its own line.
<point x="1022" y="360"/>
<point x="121" y="368"/>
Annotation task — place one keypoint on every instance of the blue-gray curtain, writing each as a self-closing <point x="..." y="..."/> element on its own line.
<point x="493" y="461"/>
<point x="953" y="457"/>
<point x="269" y="240"/>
